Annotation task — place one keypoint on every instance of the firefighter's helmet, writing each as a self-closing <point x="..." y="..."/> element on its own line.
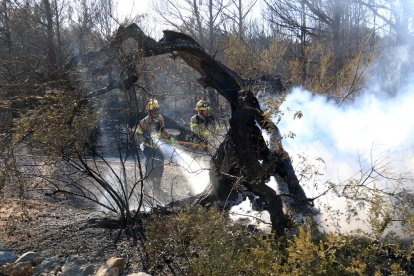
<point x="152" y="105"/>
<point x="202" y="105"/>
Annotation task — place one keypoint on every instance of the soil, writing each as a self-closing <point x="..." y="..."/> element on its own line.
<point x="65" y="227"/>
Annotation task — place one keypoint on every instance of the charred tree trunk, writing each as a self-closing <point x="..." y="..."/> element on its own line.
<point x="51" y="51"/>
<point x="244" y="161"/>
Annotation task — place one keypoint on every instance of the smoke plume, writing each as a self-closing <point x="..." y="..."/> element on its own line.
<point x="342" y="142"/>
<point x="195" y="168"/>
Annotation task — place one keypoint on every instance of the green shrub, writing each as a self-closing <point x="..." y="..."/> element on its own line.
<point x="201" y="242"/>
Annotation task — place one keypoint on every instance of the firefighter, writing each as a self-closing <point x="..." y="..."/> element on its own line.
<point x="149" y="129"/>
<point x="203" y="124"/>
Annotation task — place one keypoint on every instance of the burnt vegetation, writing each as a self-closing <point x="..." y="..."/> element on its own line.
<point x="71" y="98"/>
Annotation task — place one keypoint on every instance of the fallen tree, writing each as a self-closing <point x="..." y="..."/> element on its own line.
<point x="244" y="160"/>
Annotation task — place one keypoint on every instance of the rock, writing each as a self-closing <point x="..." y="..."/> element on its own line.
<point x="113" y="267"/>
<point x="87" y="269"/>
<point x="38" y="260"/>
<point x="7" y="257"/>
<point x="76" y="266"/>
<point x="28" y="257"/>
<point x="48" y="265"/>
<point x="407" y="242"/>
<point x="17" y="269"/>
<point x="3" y="247"/>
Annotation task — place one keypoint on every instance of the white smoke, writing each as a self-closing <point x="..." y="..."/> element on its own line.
<point x="244" y="214"/>
<point x="121" y="176"/>
<point x="194" y="167"/>
<point x="375" y="130"/>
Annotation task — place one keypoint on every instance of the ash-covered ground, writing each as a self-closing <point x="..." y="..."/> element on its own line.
<point x="62" y="226"/>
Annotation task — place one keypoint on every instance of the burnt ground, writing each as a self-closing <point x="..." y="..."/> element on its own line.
<point x="56" y="229"/>
<point x="64" y="227"/>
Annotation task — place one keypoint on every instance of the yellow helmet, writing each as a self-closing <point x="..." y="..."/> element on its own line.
<point x="202" y="105"/>
<point x="152" y="105"/>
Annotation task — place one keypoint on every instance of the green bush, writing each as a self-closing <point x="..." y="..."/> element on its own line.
<point x="201" y="242"/>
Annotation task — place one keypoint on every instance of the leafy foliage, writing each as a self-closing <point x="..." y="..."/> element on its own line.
<point x="201" y="242"/>
<point x="195" y="241"/>
<point x="57" y="123"/>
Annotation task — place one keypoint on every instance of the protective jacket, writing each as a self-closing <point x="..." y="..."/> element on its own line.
<point x="154" y="159"/>
<point x="204" y="126"/>
<point x="150" y="127"/>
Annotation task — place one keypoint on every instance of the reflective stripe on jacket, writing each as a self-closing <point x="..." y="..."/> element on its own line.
<point x="204" y="126"/>
<point x="149" y="127"/>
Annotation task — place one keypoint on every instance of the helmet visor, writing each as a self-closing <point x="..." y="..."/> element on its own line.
<point x="203" y="106"/>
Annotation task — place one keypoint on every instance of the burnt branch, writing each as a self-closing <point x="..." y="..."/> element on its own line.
<point x="244" y="154"/>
